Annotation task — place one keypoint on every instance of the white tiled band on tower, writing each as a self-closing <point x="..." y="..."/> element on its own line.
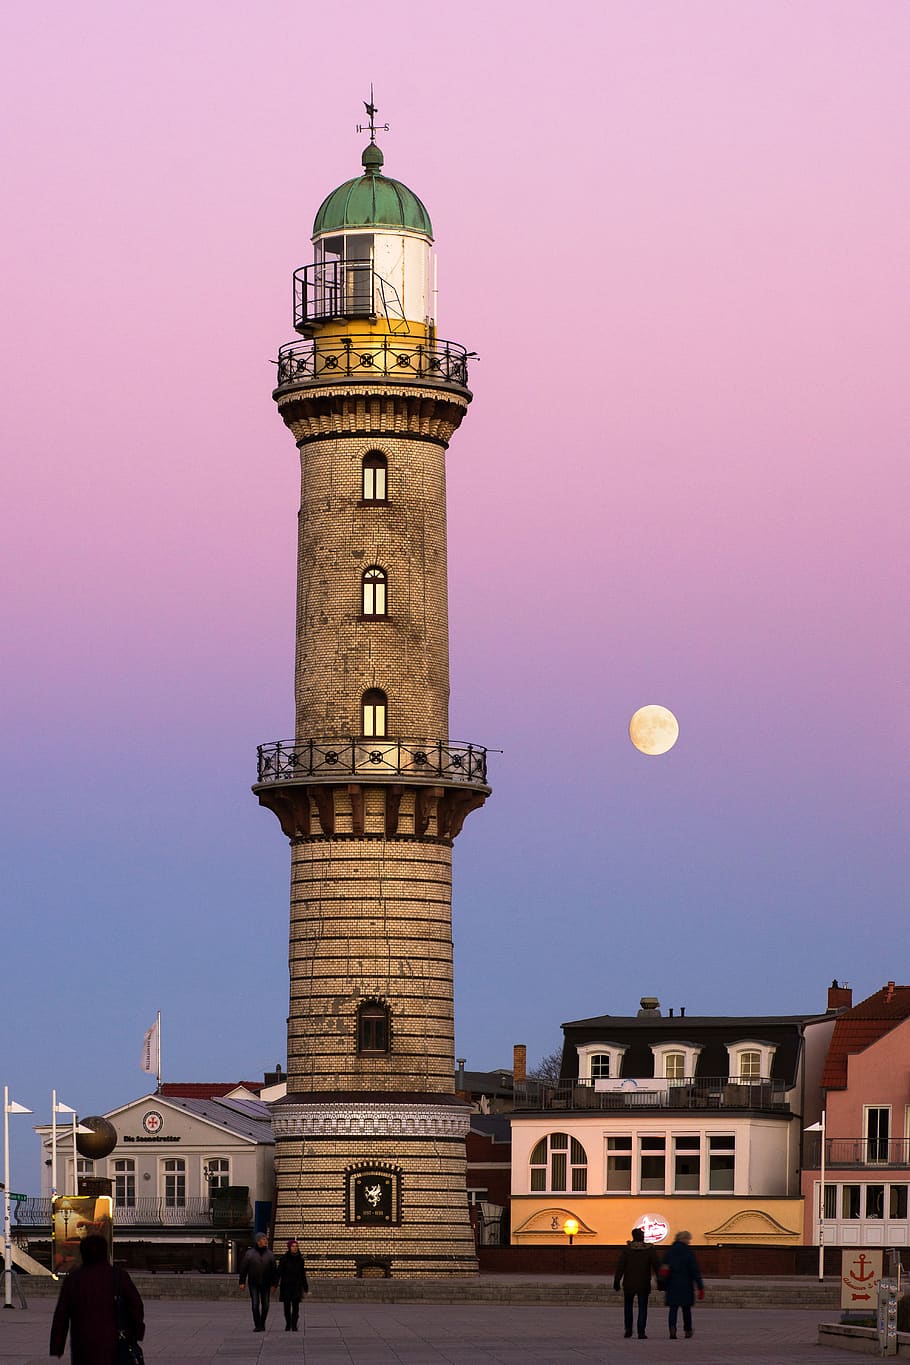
<point x="370" y="1141"/>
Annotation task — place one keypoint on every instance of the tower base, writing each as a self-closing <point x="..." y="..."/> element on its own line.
<point x="374" y="1188"/>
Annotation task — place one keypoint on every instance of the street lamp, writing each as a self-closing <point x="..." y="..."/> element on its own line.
<point x="9" y="1107"/>
<point x="570" y="1228"/>
<point x="820" y="1128"/>
<point x="55" y="1110"/>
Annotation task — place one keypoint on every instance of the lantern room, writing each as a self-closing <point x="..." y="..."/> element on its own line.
<point x="373" y="261"/>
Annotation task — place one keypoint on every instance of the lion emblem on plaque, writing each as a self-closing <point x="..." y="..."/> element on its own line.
<point x="373" y="1197"/>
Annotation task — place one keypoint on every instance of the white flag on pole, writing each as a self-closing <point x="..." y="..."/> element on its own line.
<point x="150" y="1049"/>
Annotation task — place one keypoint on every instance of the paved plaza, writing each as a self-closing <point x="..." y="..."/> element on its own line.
<point x="453" y="1334"/>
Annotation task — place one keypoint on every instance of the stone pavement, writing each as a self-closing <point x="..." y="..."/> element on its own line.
<point x="193" y="1333"/>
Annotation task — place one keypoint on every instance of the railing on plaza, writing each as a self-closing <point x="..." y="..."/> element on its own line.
<point x="364" y="355"/>
<point x="856" y="1152"/>
<point x="648" y="1093"/>
<point x="291" y="760"/>
<point x="152" y="1212"/>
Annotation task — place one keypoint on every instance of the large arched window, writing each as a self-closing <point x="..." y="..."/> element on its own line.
<point x="373" y="1031"/>
<point x="374" y="709"/>
<point x="559" y="1164"/>
<point x="375" y="591"/>
<point x="375" y="484"/>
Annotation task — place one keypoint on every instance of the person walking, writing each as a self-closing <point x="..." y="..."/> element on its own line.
<point x="680" y="1277"/>
<point x="259" y="1270"/>
<point x="637" y="1263"/>
<point x="86" y="1308"/>
<point x="292" y="1284"/>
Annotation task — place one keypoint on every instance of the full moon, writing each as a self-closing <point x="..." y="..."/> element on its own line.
<point x="653" y="729"/>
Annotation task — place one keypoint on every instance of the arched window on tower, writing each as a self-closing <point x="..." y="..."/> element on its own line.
<point x="374" y="708"/>
<point x="375" y="477"/>
<point x="375" y="591"/>
<point x="373" y="1031"/>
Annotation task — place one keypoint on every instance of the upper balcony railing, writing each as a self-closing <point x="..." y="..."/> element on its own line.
<point x="421" y="760"/>
<point x="343" y="289"/>
<point x="368" y="355"/>
<point x="856" y="1152"/>
<point x="647" y="1093"/>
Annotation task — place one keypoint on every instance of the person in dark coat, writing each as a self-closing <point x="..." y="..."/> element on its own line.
<point x="292" y="1284"/>
<point x="86" y="1309"/>
<point x="680" y="1277"/>
<point x="259" y="1269"/>
<point x="637" y="1263"/>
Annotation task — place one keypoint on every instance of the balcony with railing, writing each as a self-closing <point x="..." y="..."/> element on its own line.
<point x="856" y="1153"/>
<point x="411" y="760"/>
<point x="653" y="1093"/>
<point x="150" y="1213"/>
<point x="371" y="355"/>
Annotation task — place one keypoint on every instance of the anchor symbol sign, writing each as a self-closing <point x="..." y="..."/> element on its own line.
<point x="861" y="1261"/>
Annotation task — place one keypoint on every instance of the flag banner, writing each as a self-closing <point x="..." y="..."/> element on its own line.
<point x="150" y="1050"/>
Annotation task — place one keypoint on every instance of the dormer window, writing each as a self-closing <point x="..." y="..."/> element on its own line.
<point x="750" y="1061"/>
<point x="600" y="1061"/>
<point x="675" y="1061"/>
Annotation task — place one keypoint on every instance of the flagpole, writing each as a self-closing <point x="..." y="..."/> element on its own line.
<point x="159" y="1052"/>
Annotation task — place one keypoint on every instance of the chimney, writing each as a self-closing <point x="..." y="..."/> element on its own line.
<point x="682" y="1011"/>
<point x="519" y="1062"/>
<point x="459" y="1075"/>
<point x="840" y="997"/>
<point x="649" y="1005"/>
<point x="890" y="995"/>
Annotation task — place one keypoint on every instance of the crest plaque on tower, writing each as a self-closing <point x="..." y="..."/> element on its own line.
<point x="373" y="1196"/>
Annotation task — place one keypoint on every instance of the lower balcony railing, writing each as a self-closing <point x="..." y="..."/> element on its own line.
<point x="199" y="1213"/>
<point x="369" y="355"/>
<point x="646" y="1093"/>
<point x="295" y="760"/>
<point x="856" y="1152"/>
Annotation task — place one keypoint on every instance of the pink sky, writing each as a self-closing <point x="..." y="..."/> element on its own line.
<point x="677" y="236"/>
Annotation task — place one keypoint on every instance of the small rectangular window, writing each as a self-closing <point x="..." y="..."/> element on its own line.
<point x="875" y="1201"/>
<point x="897" y="1201"/>
<point x="849" y="1201"/>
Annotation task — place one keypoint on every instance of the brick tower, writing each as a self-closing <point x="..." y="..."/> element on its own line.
<point x="371" y="792"/>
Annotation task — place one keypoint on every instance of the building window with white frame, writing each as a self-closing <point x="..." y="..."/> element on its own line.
<point x="600" y="1066"/>
<point x="375" y="591"/>
<point x="652" y="1164"/>
<point x="722" y="1164"/>
<point x="750" y="1066"/>
<point x="559" y="1165"/>
<point x="599" y="1061"/>
<point x="174" y="1171"/>
<point x="878" y="1132"/>
<point x="619" y="1164"/>
<point x="217" y="1171"/>
<point x="675" y="1066"/>
<point x="750" y="1061"/>
<point x="125" y="1183"/>
<point x="375" y="477"/>
<point x="675" y="1061"/>
<point x="687" y="1164"/>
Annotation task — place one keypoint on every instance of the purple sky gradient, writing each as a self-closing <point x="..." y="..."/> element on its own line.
<point x="677" y="237"/>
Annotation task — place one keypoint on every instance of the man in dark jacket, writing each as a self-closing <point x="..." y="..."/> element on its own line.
<point x="637" y="1263"/>
<point x="260" y="1270"/>
<point x="86" y="1308"/>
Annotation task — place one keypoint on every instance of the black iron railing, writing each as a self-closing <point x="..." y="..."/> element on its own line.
<point x="700" y="1093"/>
<point x="152" y="1212"/>
<point x="343" y="289"/>
<point x="856" y="1152"/>
<point x="364" y="355"/>
<point x="421" y="759"/>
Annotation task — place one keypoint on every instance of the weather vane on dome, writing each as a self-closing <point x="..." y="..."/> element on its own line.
<point x="372" y="125"/>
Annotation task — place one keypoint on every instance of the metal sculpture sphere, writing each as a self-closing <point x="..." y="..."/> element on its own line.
<point x="100" y="1142"/>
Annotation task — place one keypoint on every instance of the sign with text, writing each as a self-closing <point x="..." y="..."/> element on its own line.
<point x="373" y="1195"/>
<point x="860" y="1274"/>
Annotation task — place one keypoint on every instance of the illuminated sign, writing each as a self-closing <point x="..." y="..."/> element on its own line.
<point x="654" y="1227"/>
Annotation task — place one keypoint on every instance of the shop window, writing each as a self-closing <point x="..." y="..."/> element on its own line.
<point x="619" y="1164"/>
<point x="897" y="1201"/>
<point x="652" y="1164"/>
<point x="875" y="1201"/>
<point x="687" y="1165"/>
<point x="721" y="1164"/>
<point x="849" y="1207"/>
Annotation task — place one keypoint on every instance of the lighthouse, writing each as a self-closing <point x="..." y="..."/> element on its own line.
<point x="371" y="792"/>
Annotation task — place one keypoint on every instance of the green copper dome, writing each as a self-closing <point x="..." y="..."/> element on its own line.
<point x="372" y="200"/>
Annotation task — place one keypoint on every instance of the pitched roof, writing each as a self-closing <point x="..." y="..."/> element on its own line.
<point x="235" y="1117"/>
<point x="860" y="1027"/>
<point x="206" y="1090"/>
